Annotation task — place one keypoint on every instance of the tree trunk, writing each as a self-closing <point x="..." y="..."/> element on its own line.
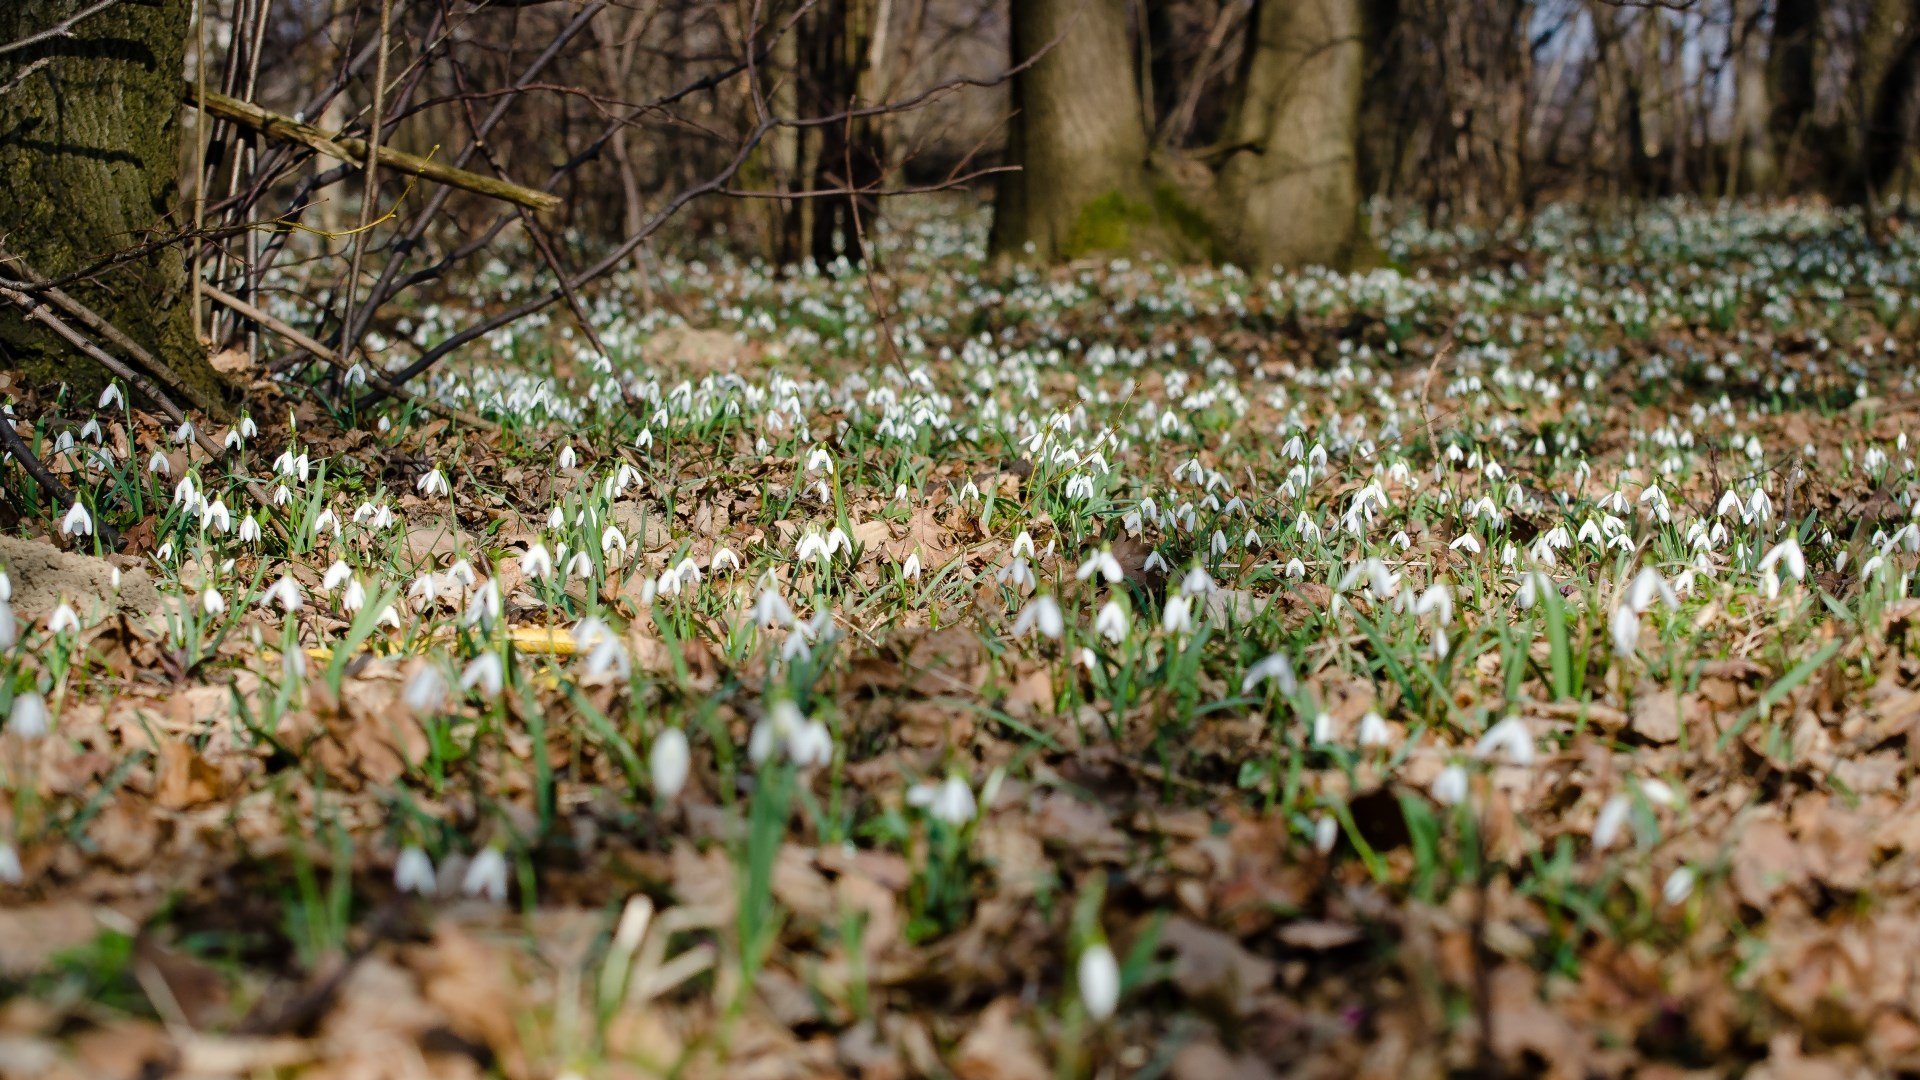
<point x="1882" y="97"/>
<point x="89" y="161"/>
<point x="1076" y="134"/>
<point x="1287" y="190"/>
<point x="1751" y="168"/>
<point x="1791" y="88"/>
<point x="1292" y="180"/>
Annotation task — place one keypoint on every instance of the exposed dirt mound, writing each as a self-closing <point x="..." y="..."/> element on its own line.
<point x="43" y="575"/>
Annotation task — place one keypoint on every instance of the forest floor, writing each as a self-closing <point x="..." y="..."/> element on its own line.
<point x="1499" y="664"/>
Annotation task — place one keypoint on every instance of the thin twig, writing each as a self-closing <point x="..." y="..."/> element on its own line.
<point x="63" y="28"/>
<point x="18" y="448"/>
<point x="302" y="341"/>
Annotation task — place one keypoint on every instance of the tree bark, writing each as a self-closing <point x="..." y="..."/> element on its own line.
<point x="1281" y="187"/>
<point x="89" y="161"/>
<point x="1076" y="134"/>
<point x="1880" y="97"/>
<point x="1791" y="88"/>
<point x="1292" y="180"/>
<point x="1753" y="165"/>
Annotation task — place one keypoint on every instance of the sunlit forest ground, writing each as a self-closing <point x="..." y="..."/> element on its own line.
<point x="1498" y="662"/>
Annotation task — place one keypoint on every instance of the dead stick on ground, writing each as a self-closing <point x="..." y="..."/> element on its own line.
<point x="37" y="309"/>
<point x="1426" y="387"/>
<point x="354" y="151"/>
<point x="328" y="355"/>
<point x="87" y="317"/>
<point x="18" y="448"/>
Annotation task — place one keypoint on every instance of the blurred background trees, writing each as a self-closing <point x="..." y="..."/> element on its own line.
<point x="1252" y="131"/>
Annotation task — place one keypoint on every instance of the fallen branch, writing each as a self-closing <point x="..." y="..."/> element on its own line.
<point x="16" y="446"/>
<point x="278" y="126"/>
<point x="372" y="373"/>
<point x="39" y="310"/>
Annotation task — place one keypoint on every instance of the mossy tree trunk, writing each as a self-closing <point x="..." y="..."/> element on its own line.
<point x="1078" y="133"/>
<point x="1886" y="76"/>
<point x="89" y="163"/>
<point x="1283" y="187"/>
<point x="1292" y="177"/>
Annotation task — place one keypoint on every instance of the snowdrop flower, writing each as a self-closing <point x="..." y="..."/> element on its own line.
<point x="1022" y="546"/>
<point x="811" y="546"/>
<point x="212" y="602"/>
<point x="536" y="562"/>
<point x="1532" y="587"/>
<point x="432" y="482"/>
<point x="9" y="627"/>
<point x="807" y="742"/>
<point x="1438" y="599"/>
<point x="1018" y="574"/>
<point x="1374" y="732"/>
<point x="1099" y="978"/>
<point x="1177" y="617"/>
<point x="819" y="460"/>
<point x="28" y="718"/>
<point x="485" y="672"/>
<point x="567" y="458"/>
<point x="1275" y="668"/>
<point x="158" y="464"/>
<point x="723" y="560"/>
<point x="1111" y="622"/>
<point x="11" y="872"/>
<point x="950" y="801"/>
<point x="426" y="691"/>
<point x="249" y="530"/>
<point x="910" y="569"/>
<point x="486" y="876"/>
<point x="607" y="662"/>
<point x="1450" y="787"/>
<point x="1679" y="886"/>
<point x="1104" y="564"/>
<point x="1510" y="737"/>
<point x="285" y="592"/>
<point x="1611" y="820"/>
<point x="1786" y="554"/>
<point x="1648" y="586"/>
<point x="336" y="576"/>
<point x="484" y="607"/>
<point x="1625" y="627"/>
<point x="1196" y="583"/>
<point x="63" y="619"/>
<point x="580" y="565"/>
<point x="78" y="521"/>
<point x="1326" y="833"/>
<point x="771" y="610"/>
<point x="424" y="589"/>
<point x="413" y="871"/>
<point x="811" y="745"/>
<point x="111" y="396"/>
<point x="1042" y="613"/>
<point x="669" y="762"/>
